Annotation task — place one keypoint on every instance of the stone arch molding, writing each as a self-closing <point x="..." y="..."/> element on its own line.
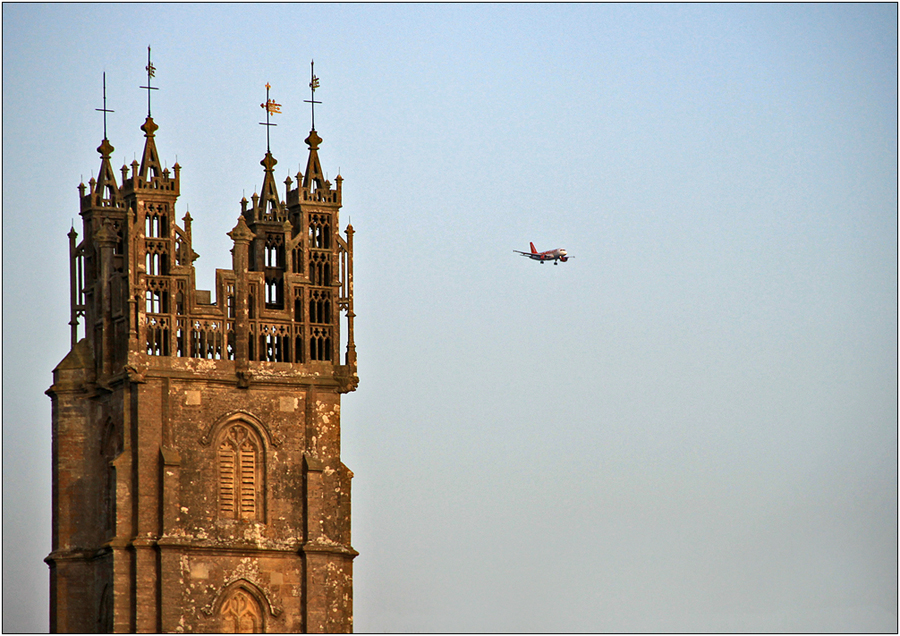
<point x="213" y="429"/>
<point x="262" y="596"/>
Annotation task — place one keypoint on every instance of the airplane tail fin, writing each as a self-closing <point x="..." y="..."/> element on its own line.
<point x="533" y="250"/>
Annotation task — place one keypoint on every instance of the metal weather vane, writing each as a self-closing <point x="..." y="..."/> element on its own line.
<point x="313" y="85"/>
<point x="271" y="108"/>
<point x="104" y="110"/>
<point x="151" y="73"/>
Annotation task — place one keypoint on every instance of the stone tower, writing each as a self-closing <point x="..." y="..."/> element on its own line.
<point x="197" y="478"/>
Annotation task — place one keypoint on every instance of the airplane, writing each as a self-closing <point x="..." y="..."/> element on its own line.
<point x="550" y="255"/>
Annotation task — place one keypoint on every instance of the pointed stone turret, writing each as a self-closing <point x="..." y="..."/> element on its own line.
<point x="150" y="166"/>
<point x="150" y="174"/>
<point x="311" y="186"/>
<point x="105" y="192"/>
<point x="267" y="207"/>
<point x="313" y="179"/>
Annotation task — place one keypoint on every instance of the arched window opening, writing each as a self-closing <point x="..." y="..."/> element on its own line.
<point x="273" y="256"/>
<point x="319" y="232"/>
<point x="152" y="302"/>
<point x="157" y="262"/>
<point x="241" y="614"/>
<point x="157" y="302"/>
<point x="107" y="195"/>
<point x="320" y="307"/>
<point x="240" y="474"/>
<point x="157" y="225"/>
<point x="157" y="329"/>
<point x="320" y="345"/>
<point x="274" y="296"/>
<point x="320" y="270"/>
<point x="207" y="339"/>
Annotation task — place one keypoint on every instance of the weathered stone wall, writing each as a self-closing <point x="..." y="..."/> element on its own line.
<point x="304" y="493"/>
<point x="140" y="541"/>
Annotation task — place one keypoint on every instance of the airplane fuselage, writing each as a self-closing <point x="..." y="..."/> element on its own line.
<point x="550" y="255"/>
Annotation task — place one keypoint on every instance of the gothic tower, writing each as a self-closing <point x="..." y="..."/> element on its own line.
<point x="197" y="478"/>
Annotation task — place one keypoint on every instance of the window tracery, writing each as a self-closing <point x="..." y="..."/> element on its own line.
<point x="241" y="614"/>
<point x="156" y="222"/>
<point x="157" y="327"/>
<point x="319" y="231"/>
<point x="274" y="250"/>
<point x="319" y="269"/>
<point x="157" y="258"/>
<point x="320" y="306"/>
<point x="274" y="343"/>
<point x="297" y="260"/>
<point x="274" y="292"/>
<point x="207" y="339"/>
<point x="320" y="343"/>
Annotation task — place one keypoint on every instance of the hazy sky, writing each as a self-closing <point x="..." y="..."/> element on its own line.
<point x="691" y="425"/>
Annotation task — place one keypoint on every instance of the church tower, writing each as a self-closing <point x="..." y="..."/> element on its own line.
<point x="197" y="476"/>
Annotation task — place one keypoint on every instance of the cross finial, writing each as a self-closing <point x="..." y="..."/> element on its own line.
<point x="313" y="85"/>
<point x="104" y="110"/>
<point x="271" y="109"/>
<point x="151" y="72"/>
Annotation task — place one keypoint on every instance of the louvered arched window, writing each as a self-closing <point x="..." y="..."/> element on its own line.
<point x="240" y="474"/>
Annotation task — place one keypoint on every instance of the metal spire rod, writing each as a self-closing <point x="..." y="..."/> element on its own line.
<point x="313" y="85"/>
<point x="151" y="72"/>
<point x="104" y="110"/>
<point x="271" y="108"/>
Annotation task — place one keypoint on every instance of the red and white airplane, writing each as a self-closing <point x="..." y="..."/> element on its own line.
<point x="550" y="255"/>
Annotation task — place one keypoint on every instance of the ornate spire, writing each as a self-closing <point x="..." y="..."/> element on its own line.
<point x="150" y="166"/>
<point x="268" y="207"/>
<point x="104" y="191"/>
<point x="313" y="178"/>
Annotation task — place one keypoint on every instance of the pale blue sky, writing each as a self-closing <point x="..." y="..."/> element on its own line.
<point x="692" y="425"/>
